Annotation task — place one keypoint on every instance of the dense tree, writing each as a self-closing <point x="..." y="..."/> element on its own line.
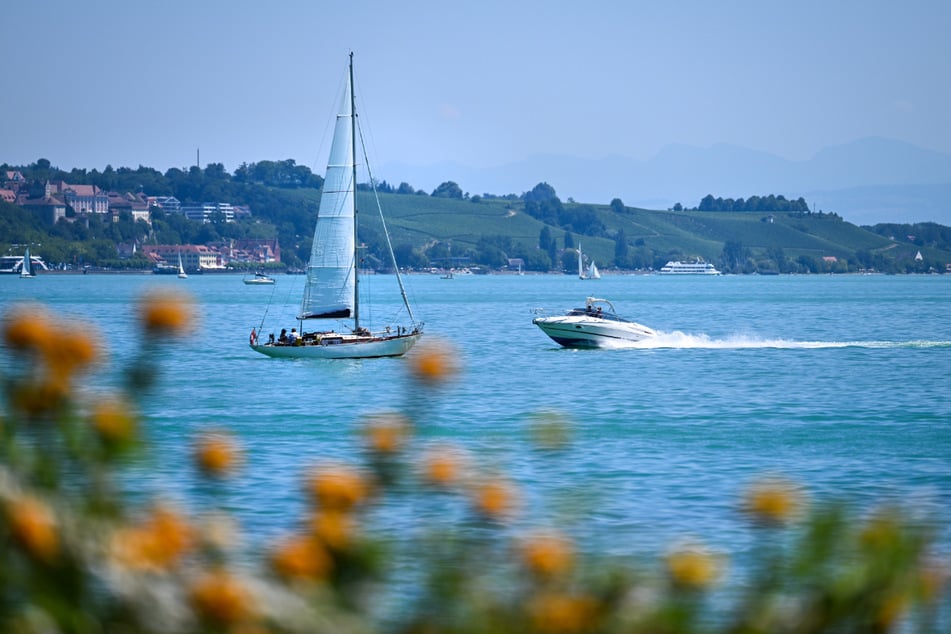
<point x="449" y="189"/>
<point x="617" y="206"/>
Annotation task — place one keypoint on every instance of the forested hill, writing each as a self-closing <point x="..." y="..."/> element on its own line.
<point x="764" y="233"/>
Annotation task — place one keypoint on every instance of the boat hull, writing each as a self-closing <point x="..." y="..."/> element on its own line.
<point x="342" y="347"/>
<point x="580" y="332"/>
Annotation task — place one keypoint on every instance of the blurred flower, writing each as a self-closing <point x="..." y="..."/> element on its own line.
<point x="433" y="363"/>
<point x="67" y="350"/>
<point x="35" y="399"/>
<point x="26" y="328"/>
<point x="217" y="454"/>
<point x="113" y="420"/>
<point x="33" y="526"/>
<point x="386" y="433"/>
<point x="301" y="557"/>
<point x="222" y="599"/>
<point x="773" y="501"/>
<point x="550" y="430"/>
<point x="692" y="567"/>
<point x="443" y="466"/>
<point x="336" y="529"/>
<point x="338" y="488"/>
<point x="547" y="555"/>
<point x="494" y="498"/>
<point x="157" y="543"/>
<point x="166" y="313"/>
<point x="557" y="612"/>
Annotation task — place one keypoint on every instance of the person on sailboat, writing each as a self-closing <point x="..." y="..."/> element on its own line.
<point x="283" y="338"/>
<point x="292" y="338"/>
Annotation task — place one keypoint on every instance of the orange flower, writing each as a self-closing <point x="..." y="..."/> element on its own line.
<point x="33" y="526"/>
<point x="773" y="501"/>
<point x="220" y="598"/>
<point x="67" y="350"/>
<point x="433" y="363"/>
<point x="26" y="328"/>
<point x="494" y="498"/>
<point x="692" y="567"/>
<point x="301" y="557"/>
<point x="547" y="555"/>
<point x="442" y="466"/>
<point x="156" y="544"/>
<point x="217" y="454"/>
<point x="334" y="528"/>
<point x="556" y="612"/>
<point x="338" y="488"/>
<point x="166" y="313"/>
<point x="36" y="398"/>
<point x="386" y="433"/>
<point x="113" y="420"/>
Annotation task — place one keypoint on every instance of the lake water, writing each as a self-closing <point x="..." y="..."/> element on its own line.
<point x="840" y="383"/>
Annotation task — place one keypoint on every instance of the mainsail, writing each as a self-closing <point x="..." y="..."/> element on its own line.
<point x="329" y="289"/>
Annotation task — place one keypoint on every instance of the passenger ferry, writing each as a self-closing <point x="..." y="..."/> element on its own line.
<point x="13" y="264"/>
<point x="699" y="267"/>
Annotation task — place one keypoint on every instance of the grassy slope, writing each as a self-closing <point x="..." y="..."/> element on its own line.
<point x="420" y="220"/>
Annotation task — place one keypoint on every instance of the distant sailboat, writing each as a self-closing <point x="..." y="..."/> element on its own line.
<point x="26" y="269"/>
<point x="181" y="269"/>
<point x="591" y="273"/>
<point x="331" y="290"/>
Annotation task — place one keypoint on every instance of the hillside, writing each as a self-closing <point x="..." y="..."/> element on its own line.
<point x="453" y="228"/>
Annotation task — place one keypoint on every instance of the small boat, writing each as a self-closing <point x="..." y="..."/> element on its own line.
<point x="597" y="325"/>
<point x="332" y="286"/>
<point x="591" y="273"/>
<point x="259" y="279"/>
<point x="26" y="269"/>
<point x="181" y="269"/>
<point x="698" y="267"/>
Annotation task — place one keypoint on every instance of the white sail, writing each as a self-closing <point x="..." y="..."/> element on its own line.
<point x="593" y="272"/>
<point x="329" y="289"/>
<point x="580" y="263"/>
<point x="26" y="269"/>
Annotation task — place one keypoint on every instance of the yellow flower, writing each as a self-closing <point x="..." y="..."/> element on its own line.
<point x="26" y="328"/>
<point x="113" y="420"/>
<point x="33" y="526"/>
<point x="442" y="466"/>
<point x="494" y="498"/>
<point x="157" y="543"/>
<point x="66" y="350"/>
<point x="338" y="488"/>
<point x="433" y="363"/>
<point x="386" y="433"/>
<point x="557" y="612"/>
<point x="217" y="454"/>
<point x="222" y="599"/>
<point x="547" y="556"/>
<point x="166" y="313"/>
<point x="336" y="529"/>
<point x="301" y="557"/>
<point x="773" y="501"/>
<point x="692" y="567"/>
<point x="45" y="396"/>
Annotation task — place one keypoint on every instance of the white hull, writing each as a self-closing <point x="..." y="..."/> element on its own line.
<point x="259" y="282"/>
<point x="342" y="346"/>
<point x="592" y="327"/>
<point x="689" y="268"/>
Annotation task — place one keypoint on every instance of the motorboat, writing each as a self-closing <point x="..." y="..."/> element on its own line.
<point x="698" y="267"/>
<point x="259" y="278"/>
<point x="597" y="325"/>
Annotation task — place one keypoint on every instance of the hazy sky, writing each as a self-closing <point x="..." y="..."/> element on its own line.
<point x="130" y="82"/>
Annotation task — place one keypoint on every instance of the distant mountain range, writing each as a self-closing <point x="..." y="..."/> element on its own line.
<point x="869" y="181"/>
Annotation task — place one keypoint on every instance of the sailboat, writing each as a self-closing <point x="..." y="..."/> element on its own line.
<point x="26" y="269"/>
<point x="591" y="273"/>
<point x="332" y="284"/>
<point x="181" y="269"/>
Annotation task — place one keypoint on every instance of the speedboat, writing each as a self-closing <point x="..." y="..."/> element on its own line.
<point x="597" y="325"/>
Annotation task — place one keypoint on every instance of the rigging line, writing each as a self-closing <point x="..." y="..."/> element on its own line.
<point x="386" y="233"/>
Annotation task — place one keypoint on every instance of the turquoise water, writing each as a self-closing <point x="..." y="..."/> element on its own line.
<point x="840" y="383"/>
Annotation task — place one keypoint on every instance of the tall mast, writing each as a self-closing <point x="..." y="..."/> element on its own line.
<point x="356" y="246"/>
